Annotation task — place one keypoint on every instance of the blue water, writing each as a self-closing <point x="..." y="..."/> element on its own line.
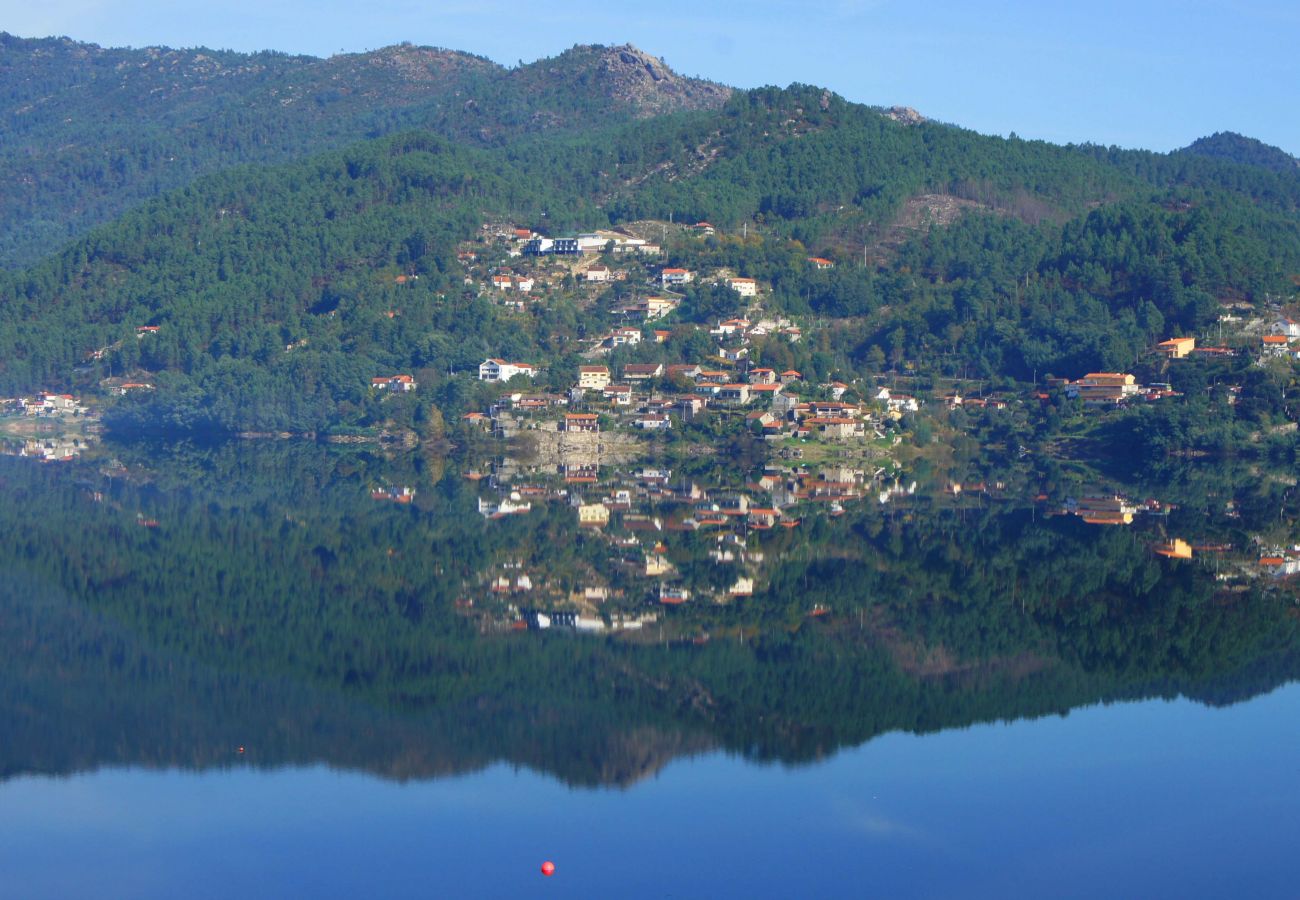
<point x="1151" y="799"/>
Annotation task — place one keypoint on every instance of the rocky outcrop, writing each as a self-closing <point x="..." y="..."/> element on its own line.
<point x="629" y="77"/>
<point x="904" y="114"/>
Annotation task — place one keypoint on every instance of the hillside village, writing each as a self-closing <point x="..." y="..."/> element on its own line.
<point x="652" y="369"/>
<point x="645" y="362"/>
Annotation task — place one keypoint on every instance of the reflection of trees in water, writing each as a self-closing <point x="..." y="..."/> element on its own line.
<point x="276" y="606"/>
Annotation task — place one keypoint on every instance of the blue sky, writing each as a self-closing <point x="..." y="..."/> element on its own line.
<point x="1143" y="73"/>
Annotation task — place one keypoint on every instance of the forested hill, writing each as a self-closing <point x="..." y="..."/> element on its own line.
<point x="1237" y="148"/>
<point x="91" y="131"/>
<point x="275" y="294"/>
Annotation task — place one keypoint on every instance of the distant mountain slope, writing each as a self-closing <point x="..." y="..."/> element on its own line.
<point x="1227" y="145"/>
<point x="92" y="131"/>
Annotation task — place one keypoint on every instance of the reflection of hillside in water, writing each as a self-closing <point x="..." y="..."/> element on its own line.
<point x="315" y="605"/>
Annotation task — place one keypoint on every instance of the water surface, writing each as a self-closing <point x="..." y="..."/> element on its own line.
<point x="916" y="691"/>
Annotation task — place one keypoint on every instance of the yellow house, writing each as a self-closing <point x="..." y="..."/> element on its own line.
<point x="1175" y="549"/>
<point x="593" y="377"/>
<point x="1177" y="348"/>
<point x="745" y="287"/>
<point x="656" y="565"/>
<point x="593" y="515"/>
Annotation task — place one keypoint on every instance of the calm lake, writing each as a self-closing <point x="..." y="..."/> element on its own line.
<point x="289" y="670"/>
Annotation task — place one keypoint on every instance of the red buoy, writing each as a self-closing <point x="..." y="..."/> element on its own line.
<point x="241" y="749"/>
<point x="548" y="868"/>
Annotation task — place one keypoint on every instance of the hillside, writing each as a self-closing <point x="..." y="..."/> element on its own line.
<point x="267" y="298"/>
<point x="1237" y="148"/>
<point x="92" y="131"/>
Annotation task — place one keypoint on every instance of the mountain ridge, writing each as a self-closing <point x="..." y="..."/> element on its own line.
<point x="94" y="131"/>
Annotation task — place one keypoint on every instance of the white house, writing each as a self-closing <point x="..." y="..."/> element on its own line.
<point x="676" y="276"/>
<point x="500" y="370"/>
<point x="618" y="394"/>
<point x="730" y="327"/>
<point x="628" y="244"/>
<point x="1275" y="344"/>
<point x="401" y="383"/>
<point x="504" y="281"/>
<point x="897" y="403"/>
<point x="653" y="422"/>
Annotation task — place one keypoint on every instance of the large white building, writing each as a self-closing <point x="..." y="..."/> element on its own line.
<point x="549" y="247"/>
<point x="500" y="370"/>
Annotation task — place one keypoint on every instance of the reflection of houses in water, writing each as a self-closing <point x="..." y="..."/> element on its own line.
<point x="635" y="514"/>
<point x="744" y="587"/>
<point x="1174" y="549"/>
<point x="504" y="584"/>
<point x="52" y="449"/>
<point x="620" y="500"/>
<point x="1111" y="509"/>
<point x="584" y="473"/>
<point x="818" y="489"/>
<point x="1281" y="565"/>
<point x="655" y="477"/>
<point x="656" y="565"/>
<point x="506" y="506"/>
<point x="673" y="595"/>
<point x="593" y="515"/>
<point x="642" y="523"/>
<point x="896" y="491"/>
<point x="577" y="621"/>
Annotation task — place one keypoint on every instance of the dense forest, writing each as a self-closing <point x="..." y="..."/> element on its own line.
<point x="1239" y="148"/>
<point x="271" y="598"/>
